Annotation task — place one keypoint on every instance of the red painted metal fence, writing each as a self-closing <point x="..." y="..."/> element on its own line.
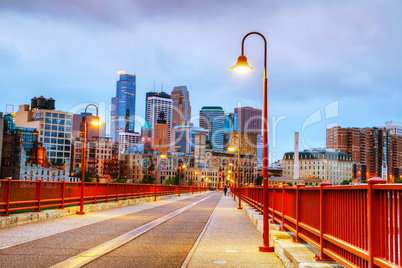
<point x="36" y="195"/>
<point x="357" y="226"/>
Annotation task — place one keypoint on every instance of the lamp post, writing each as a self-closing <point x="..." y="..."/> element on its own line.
<point x="81" y="212"/>
<point x="192" y="182"/>
<point x="180" y="170"/>
<point x="231" y="148"/>
<point x="243" y="67"/>
<point x="163" y="155"/>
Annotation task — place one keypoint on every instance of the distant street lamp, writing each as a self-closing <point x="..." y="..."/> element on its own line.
<point x="96" y="123"/>
<point x="163" y="155"/>
<point x="243" y="67"/>
<point x="232" y="149"/>
<point x="180" y="170"/>
<point x="192" y="182"/>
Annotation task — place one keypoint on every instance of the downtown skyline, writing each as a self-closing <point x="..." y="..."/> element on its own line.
<point x="336" y="61"/>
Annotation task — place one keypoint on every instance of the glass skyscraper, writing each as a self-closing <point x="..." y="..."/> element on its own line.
<point x="211" y="118"/>
<point x="123" y="106"/>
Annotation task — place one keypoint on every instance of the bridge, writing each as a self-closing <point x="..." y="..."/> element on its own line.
<point x="357" y="226"/>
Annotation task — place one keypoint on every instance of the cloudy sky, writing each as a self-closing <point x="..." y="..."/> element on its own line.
<point x="329" y="62"/>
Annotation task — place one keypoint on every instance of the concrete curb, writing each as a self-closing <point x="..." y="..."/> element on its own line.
<point x="292" y="254"/>
<point x="32" y="217"/>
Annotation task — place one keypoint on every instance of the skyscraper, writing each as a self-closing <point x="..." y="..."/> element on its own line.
<point x="211" y="118"/>
<point x="123" y="105"/>
<point x="181" y="106"/>
<point x="163" y="95"/>
<point x="156" y="103"/>
<point x="250" y="119"/>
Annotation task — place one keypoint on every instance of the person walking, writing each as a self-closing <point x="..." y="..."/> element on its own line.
<point x="228" y="191"/>
<point x="225" y="190"/>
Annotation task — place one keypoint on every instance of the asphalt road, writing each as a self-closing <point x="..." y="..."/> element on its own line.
<point x="166" y="244"/>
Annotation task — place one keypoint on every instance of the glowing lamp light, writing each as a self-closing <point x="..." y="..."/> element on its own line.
<point x="183" y="166"/>
<point x="163" y="155"/>
<point x="242" y="65"/>
<point x="231" y="149"/>
<point x="96" y="123"/>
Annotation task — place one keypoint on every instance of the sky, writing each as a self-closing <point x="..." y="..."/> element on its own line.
<point x="329" y="62"/>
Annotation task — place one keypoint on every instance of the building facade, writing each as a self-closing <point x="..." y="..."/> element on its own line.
<point x="128" y="140"/>
<point x="184" y="138"/>
<point x="155" y="105"/>
<point x="211" y="118"/>
<point x="376" y="152"/>
<point x="250" y="119"/>
<point x="54" y="130"/>
<point x="181" y="114"/>
<point x="102" y="158"/>
<point x="123" y="105"/>
<point x="328" y="165"/>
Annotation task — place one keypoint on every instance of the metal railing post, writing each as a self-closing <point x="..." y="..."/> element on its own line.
<point x="298" y="210"/>
<point x="8" y="194"/>
<point x="322" y="256"/>
<point x="38" y="194"/>
<point x="284" y="186"/>
<point x="373" y="219"/>
<point x="63" y="192"/>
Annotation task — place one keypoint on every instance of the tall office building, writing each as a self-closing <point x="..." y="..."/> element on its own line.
<point x="250" y="119"/>
<point x="394" y="127"/>
<point x="162" y="95"/>
<point x="376" y="152"/>
<point x="211" y="118"/>
<point x="155" y="104"/>
<point x="184" y="137"/>
<point x="123" y="106"/>
<point x="181" y="106"/>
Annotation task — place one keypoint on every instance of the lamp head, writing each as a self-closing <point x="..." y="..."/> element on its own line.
<point x="163" y="155"/>
<point x="231" y="148"/>
<point x="231" y="164"/>
<point x="183" y="166"/>
<point x="242" y="65"/>
<point x="96" y="122"/>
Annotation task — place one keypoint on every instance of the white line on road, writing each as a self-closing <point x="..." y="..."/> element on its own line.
<point x="94" y="253"/>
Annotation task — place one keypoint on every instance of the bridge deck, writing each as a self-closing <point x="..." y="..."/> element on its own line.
<point x="191" y="231"/>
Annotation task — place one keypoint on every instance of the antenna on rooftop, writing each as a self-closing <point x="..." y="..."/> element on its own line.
<point x="162" y="87"/>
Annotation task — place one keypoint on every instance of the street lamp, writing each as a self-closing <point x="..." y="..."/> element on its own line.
<point x="232" y="149"/>
<point x="243" y="67"/>
<point x="97" y="123"/>
<point x="180" y="170"/>
<point x="163" y="155"/>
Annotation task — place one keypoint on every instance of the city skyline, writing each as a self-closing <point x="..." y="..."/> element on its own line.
<point x="328" y="63"/>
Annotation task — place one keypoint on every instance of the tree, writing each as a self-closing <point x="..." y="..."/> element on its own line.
<point x="190" y="183"/>
<point x="89" y="176"/>
<point x="120" y="180"/>
<point x="346" y="182"/>
<point x="258" y="181"/>
<point x="169" y="181"/>
<point x="398" y="180"/>
<point x="290" y="184"/>
<point x="146" y="179"/>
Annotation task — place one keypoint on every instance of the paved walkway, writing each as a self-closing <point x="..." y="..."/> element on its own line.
<point x="228" y="238"/>
<point x="231" y="240"/>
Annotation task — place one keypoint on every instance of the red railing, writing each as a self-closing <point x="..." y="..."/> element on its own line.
<point x="357" y="226"/>
<point x="17" y="196"/>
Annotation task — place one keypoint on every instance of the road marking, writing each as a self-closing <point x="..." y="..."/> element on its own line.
<point x="94" y="253"/>
<point x="150" y="204"/>
<point x="191" y="252"/>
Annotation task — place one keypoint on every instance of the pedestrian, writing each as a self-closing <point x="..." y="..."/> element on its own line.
<point x="228" y="191"/>
<point x="225" y="190"/>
